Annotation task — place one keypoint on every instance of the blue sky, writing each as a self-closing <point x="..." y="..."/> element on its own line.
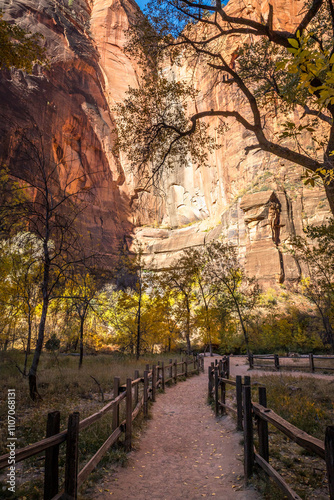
<point x="141" y="3"/>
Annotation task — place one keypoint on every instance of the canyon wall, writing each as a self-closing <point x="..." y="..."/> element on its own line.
<point x="254" y="201"/>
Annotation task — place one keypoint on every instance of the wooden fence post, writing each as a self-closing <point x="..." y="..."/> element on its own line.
<point x="145" y="406"/>
<point x="216" y="375"/>
<point x="128" y="425"/>
<point x="238" y="381"/>
<point x="136" y="389"/>
<point x="223" y="395"/>
<point x="329" y="456"/>
<point x="210" y="385"/>
<point x="202" y="361"/>
<point x="228" y="367"/>
<point x="262" y="427"/>
<point x="311" y="360"/>
<point x="171" y="369"/>
<point x="163" y="375"/>
<point x="248" y="433"/>
<point x="276" y="359"/>
<point x="251" y="361"/>
<point x="51" y="481"/>
<point x="186" y="368"/>
<point x="154" y="382"/>
<point x="71" y="465"/>
<point x="175" y="371"/>
<point x="115" y="419"/>
<point x="247" y="380"/>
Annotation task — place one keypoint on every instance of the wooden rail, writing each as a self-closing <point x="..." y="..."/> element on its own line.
<point x="248" y="411"/>
<point x="129" y="392"/>
<point x="276" y="362"/>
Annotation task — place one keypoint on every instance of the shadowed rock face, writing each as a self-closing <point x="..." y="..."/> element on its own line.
<point x="256" y="201"/>
<point x="69" y="104"/>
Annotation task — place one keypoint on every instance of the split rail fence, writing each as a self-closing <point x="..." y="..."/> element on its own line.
<point x="250" y="414"/>
<point x="308" y="362"/>
<point x="152" y="379"/>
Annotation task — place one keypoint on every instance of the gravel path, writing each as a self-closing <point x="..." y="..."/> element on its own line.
<point x="185" y="453"/>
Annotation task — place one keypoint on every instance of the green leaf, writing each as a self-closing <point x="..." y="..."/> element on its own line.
<point x="293" y="42"/>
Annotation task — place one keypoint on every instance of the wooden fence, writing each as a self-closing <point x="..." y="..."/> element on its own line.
<point x="306" y="362"/>
<point x="152" y="378"/>
<point x="250" y="413"/>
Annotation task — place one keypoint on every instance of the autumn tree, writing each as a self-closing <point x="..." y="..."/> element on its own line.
<point x="20" y="268"/>
<point x="234" y="290"/>
<point x="272" y="72"/>
<point x="315" y="254"/>
<point x="50" y="209"/>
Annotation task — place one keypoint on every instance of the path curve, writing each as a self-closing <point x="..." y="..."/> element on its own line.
<point x="185" y="453"/>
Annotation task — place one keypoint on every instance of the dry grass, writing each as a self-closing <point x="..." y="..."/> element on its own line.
<point x="64" y="388"/>
<point x="307" y="403"/>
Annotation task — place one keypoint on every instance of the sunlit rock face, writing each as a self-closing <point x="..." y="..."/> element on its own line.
<point x="254" y="201"/>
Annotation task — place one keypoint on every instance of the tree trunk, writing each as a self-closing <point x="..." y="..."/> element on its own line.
<point x="41" y="330"/>
<point x="37" y="354"/>
<point x="82" y="320"/>
<point x="188" y="328"/>
<point x="28" y="342"/>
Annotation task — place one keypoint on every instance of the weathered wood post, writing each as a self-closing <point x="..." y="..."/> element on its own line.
<point x="145" y="406"/>
<point x="247" y="380"/>
<point x="128" y="416"/>
<point x="311" y="361"/>
<point x="71" y="465"/>
<point x="248" y="433"/>
<point x="51" y="477"/>
<point x="329" y="456"/>
<point x="216" y="375"/>
<point x="194" y="360"/>
<point x="170" y="370"/>
<point x="223" y="394"/>
<point x="238" y="381"/>
<point x="136" y="389"/>
<point x="276" y="359"/>
<point x="163" y="375"/>
<point x="202" y="362"/>
<point x="186" y="367"/>
<point x="262" y="427"/>
<point x="154" y="382"/>
<point x="251" y="361"/>
<point x="228" y="367"/>
<point x="115" y="419"/>
<point x="158" y="371"/>
<point x="210" y="384"/>
<point x="175" y="371"/>
<point x="220" y="367"/>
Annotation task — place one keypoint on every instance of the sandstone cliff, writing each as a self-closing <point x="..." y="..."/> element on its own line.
<point x="255" y="201"/>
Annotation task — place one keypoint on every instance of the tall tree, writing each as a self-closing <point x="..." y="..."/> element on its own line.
<point x="234" y="290"/>
<point x="316" y="256"/>
<point x="272" y="71"/>
<point x="50" y="210"/>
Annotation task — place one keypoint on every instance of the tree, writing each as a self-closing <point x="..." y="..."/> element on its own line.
<point x="19" y="48"/>
<point x="82" y="292"/>
<point x="315" y="253"/>
<point x="49" y="209"/>
<point x="273" y="72"/>
<point x="181" y="281"/>
<point x="20" y="268"/>
<point x="233" y="289"/>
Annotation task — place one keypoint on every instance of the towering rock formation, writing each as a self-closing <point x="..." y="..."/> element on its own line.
<point x="255" y="201"/>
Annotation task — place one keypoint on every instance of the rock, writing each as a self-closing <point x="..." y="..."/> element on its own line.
<point x="255" y="202"/>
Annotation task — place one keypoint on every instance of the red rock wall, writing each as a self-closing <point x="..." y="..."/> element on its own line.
<point x="72" y="103"/>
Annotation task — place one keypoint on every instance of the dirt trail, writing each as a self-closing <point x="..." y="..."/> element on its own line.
<point x="185" y="453"/>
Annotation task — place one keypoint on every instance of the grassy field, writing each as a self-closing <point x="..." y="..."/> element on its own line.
<point x="64" y="388"/>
